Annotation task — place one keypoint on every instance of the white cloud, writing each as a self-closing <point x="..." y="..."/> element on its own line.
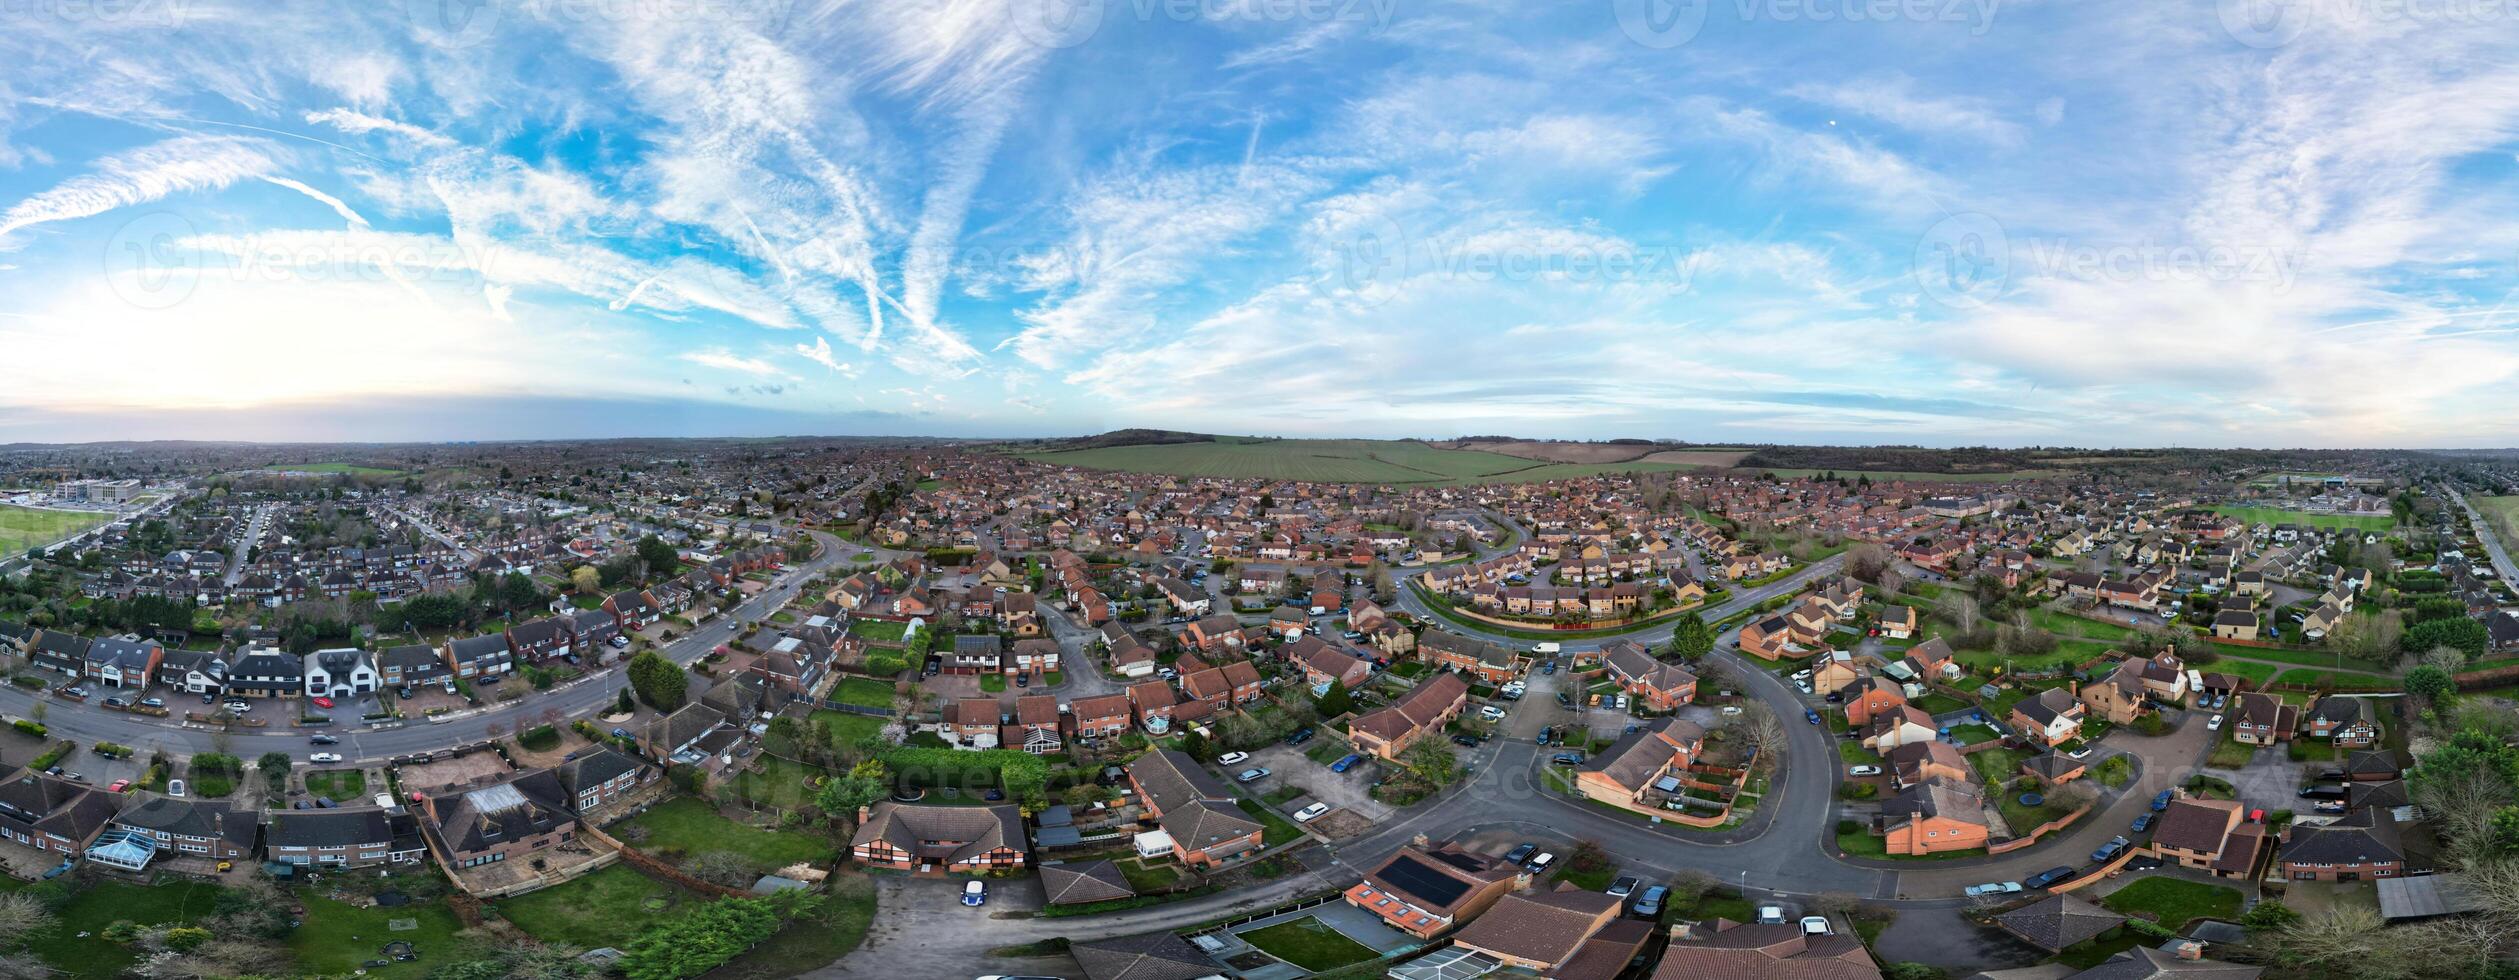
<point x="150" y="173"/>
<point x="722" y="360"/>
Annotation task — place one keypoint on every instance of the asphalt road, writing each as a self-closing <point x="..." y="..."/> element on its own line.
<point x="2502" y="564"/>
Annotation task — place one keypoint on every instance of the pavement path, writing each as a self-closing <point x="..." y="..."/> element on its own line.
<point x="2502" y="565"/>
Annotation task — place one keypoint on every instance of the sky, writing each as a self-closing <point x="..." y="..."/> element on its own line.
<point x="1939" y="222"/>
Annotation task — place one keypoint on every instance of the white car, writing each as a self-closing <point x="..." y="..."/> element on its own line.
<point x="1771" y="915"/>
<point x="1993" y="888"/>
<point x="1816" y="925"/>
<point x="1491" y="712"/>
<point x="1731" y="709"/>
<point x="176" y="787"/>
<point x="1863" y="770"/>
<point x="2214" y="725"/>
<point x="324" y="757"/>
<point x="1310" y="813"/>
<point x="1233" y="758"/>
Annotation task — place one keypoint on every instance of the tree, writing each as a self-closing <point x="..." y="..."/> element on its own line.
<point x="274" y="766"/>
<point x="660" y="558"/>
<point x="1691" y="638"/>
<point x="1196" y="746"/>
<point x="724" y="868"/>
<point x="2465" y="634"/>
<point x="1910" y="970"/>
<point x="1430" y="761"/>
<point x="586" y="580"/>
<point x="1334" y="702"/>
<point x="2429" y="683"/>
<point x="863" y="784"/>
<point x="2269" y="916"/>
<point x="659" y="681"/>
<point x="1866" y="561"/>
<point x="21" y="914"/>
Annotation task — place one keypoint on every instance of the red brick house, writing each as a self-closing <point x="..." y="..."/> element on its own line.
<point x="1426" y="708"/>
<point x="959" y="839"/>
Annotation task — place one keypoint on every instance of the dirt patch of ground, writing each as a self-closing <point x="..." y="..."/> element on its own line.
<point x="1698" y="457"/>
<point x="1554" y="452"/>
<point x="449" y="774"/>
<point x="1341" y="824"/>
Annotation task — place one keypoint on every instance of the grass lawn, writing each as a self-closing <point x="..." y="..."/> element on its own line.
<point x="813" y="942"/>
<point x="2094" y="952"/>
<point x="1973" y="734"/>
<point x="685" y="826"/>
<point x="1852" y="752"/>
<point x="1590" y="881"/>
<point x="847" y="726"/>
<point x="863" y="692"/>
<point x="1148" y="877"/>
<point x="607" y="908"/>
<point x="780" y="783"/>
<point x="2276" y="515"/>
<point x="28" y="527"/>
<point x="993" y="683"/>
<point x="2173" y="902"/>
<point x="92" y="910"/>
<point x="1308" y="943"/>
<point x="337" y="784"/>
<point x="1998" y="763"/>
<point x="2024" y="819"/>
<point x="338" y="937"/>
<point x="878" y="631"/>
<point x="2113" y="771"/>
<point x="2229" y="753"/>
<point x="1278" y="829"/>
<point x="1937" y="703"/>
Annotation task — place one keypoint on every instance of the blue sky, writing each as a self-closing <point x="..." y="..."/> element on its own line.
<point x="2243" y="223"/>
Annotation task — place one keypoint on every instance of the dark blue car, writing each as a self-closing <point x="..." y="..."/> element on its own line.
<point x="1347" y="763"/>
<point x="2161" y="802"/>
<point x="2142" y="822"/>
<point x="1811" y="716"/>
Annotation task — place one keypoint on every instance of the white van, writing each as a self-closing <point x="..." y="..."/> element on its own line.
<point x="1548" y="648"/>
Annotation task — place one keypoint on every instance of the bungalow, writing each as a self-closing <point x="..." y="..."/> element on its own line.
<point x="2362" y="845"/>
<point x="955" y="839"/>
<point x="2051" y="717"/>
<point x="1660" y="686"/>
<point x="1540" y="931"/>
<point x="1934" y="817"/>
<point x="50" y="814"/>
<point x="1645" y="770"/>
<point x="1426" y="708"/>
<point x="1424" y="891"/>
<point x="1201" y="816"/>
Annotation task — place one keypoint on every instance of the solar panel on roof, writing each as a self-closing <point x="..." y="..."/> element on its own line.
<point x="1431" y="886"/>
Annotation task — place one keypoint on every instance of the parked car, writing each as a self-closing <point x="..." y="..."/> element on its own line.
<point x="1649" y="904"/>
<point x="2329" y="806"/>
<point x="2142" y="822"/>
<point x="2108" y="852"/>
<point x="1520" y="853"/>
<point x="1548" y="668"/>
<point x="1491" y="712"/>
<point x="1771" y="915"/>
<point x="1346" y="762"/>
<point x="323" y="740"/>
<point x="2322" y="792"/>
<point x="1566" y="759"/>
<point x="322" y="702"/>
<point x="1540" y="863"/>
<point x="1993" y="888"/>
<point x="974" y="893"/>
<point x="2214" y="725"/>
<point x="324" y="757"/>
<point x="1863" y="770"/>
<point x="1810" y="716"/>
<point x="116" y="703"/>
<point x="1310" y="813"/>
<point x="1626" y="885"/>
<point x="153" y="702"/>
<point x="1232" y="758"/>
<point x="1252" y="775"/>
<point x="2048" y="877"/>
<point x="2161" y="802"/>
<point x="1816" y="925"/>
<point x="176" y="787"/>
<point x="1465" y="741"/>
<point x="1300" y="736"/>
<point x="118" y="786"/>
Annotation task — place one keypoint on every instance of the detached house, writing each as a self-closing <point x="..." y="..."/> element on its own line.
<point x="123" y="661"/>
<point x="2051" y="717"/>
<point x="1199" y="814"/>
<point x="953" y="839"/>
<point x="634" y="609"/>
<point x="1423" y="892"/>
<point x="475" y="657"/>
<point x="412" y="666"/>
<point x="1934" y="817"/>
<point x="1426" y="708"/>
<point x="211" y="829"/>
<point x="1646" y="770"/>
<point x="50" y="814"/>
<point x="340" y="673"/>
<point x="2352" y="722"/>
<point x="2263" y="719"/>
<point x="349" y="837"/>
<point x="2211" y="836"/>
<point x="266" y="672"/>
<point x="2363" y="846"/>
<point x="514" y="819"/>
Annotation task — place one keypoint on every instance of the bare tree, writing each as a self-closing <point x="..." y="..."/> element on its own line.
<point x="20" y="914"/>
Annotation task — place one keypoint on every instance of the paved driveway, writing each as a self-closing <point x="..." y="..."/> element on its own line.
<point x="923" y="930"/>
<point x="2270" y="780"/>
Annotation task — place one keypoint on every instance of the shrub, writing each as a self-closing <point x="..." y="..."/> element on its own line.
<point x="34" y="728"/>
<point x="885" y="664"/>
<point x="539" y="738"/>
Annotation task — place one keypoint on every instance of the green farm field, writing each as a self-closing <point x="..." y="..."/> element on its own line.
<point x="348" y="469"/>
<point x="1882" y="476"/>
<point x="2277" y="515"/>
<point x="27" y="527"/>
<point x="1331" y="461"/>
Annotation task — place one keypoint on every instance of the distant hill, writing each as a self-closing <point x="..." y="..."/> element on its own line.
<point x="1124" y="437"/>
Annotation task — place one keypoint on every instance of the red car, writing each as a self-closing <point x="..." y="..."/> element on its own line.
<point x="323" y="702"/>
<point x="2256" y="816"/>
<point x="118" y="786"/>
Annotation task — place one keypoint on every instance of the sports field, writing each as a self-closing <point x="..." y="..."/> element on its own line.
<point x="2502" y="512"/>
<point x="2278" y="515"/>
<point x="27" y="527"/>
<point x="351" y="469"/>
<point x="1331" y="461"/>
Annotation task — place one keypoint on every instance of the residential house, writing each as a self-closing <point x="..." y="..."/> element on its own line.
<point x="512" y="819"/>
<point x="634" y="609"/>
<point x="1724" y="948"/>
<point x="52" y="814"/>
<point x="1101" y="716"/>
<point x="212" y="829"/>
<point x="1897" y="622"/>
<point x="597" y="779"/>
<point x="1934" y="817"/>
<point x="1655" y="685"/>
<point x="540" y="640"/>
<point x="344" y="672"/>
<point x="975" y="722"/>
<point x="1539" y="931"/>
<point x="1425" y="709"/>
<point x="1870" y="696"/>
<point x="2361" y="846"/>
<point x="976" y="653"/>
<point x="2119" y="697"/>
<point x="123" y="661"/>
<point x="2057" y="922"/>
<point x="2050" y="717"/>
<point x="954" y="839"/>
<point x="1646" y="770"/>
<point x="1915" y="763"/>
<point x="347" y="837"/>
<point x="266" y="672"/>
<point x="1324" y="664"/>
<point x="1424" y="891"/>
<point x="59" y="652"/>
<point x="412" y="666"/>
<point x="1202" y="817"/>
<point x="480" y="657"/>
<point x="1036" y="726"/>
<point x="2212" y="836"/>
<point x="1155" y="705"/>
<point x="1490" y="662"/>
<point x="2263" y="719"/>
<point x="192" y="671"/>
<point x="2353" y="723"/>
<point x="1897" y="726"/>
<point x="2235" y="624"/>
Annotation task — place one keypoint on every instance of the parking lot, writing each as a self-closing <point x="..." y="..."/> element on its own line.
<point x="1287" y="765"/>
